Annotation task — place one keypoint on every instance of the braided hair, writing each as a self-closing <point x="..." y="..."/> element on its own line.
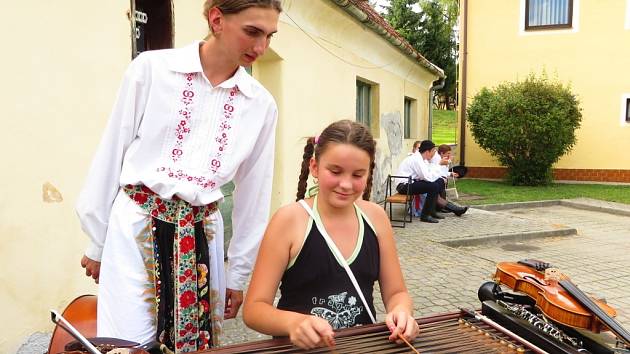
<point x="341" y="132"/>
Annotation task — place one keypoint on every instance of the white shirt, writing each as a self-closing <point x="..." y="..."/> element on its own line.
<point x="442" y="170"/>
<point x="416" y="167"/>
<point x="172" y="131"/>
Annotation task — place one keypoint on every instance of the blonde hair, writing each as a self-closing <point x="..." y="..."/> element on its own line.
<point x="228" y="7"/>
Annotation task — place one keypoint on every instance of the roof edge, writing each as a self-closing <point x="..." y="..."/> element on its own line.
<point x="364" y="13"/>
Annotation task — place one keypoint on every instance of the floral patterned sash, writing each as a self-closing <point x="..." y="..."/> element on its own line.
<point x="186" y="324"/>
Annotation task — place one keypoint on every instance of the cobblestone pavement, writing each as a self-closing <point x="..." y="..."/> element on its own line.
<point x="444" y="264"/>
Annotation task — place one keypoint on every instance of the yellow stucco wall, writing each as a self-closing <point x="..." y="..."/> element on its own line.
<point x="593" y="58"/>
<point x="64" y="65"/>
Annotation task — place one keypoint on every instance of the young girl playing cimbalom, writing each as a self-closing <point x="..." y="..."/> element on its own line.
<point x="317" y="293"/>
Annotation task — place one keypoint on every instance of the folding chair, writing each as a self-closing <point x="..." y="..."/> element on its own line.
<point x="397" y="198"/>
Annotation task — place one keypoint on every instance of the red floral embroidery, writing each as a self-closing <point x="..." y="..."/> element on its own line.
<point x="224" y="128"/>
<point x="140" y="198"/>
<point x="204" y="338"/>
<point x="204" y="307"/>
<point x="186" y="244"/>
<point x="186" y="299"/>
<point x="183" y="128"/>
<point x="181" y="176"/>
<point x="191" y="315"/>
<point x="189" y="219"/>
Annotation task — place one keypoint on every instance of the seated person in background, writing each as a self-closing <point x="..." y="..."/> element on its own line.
<point x="414" y="148"/>
<point x="300" y="247"/>
<point x="442" y="160"/>
<point x="441" y="163"/>
<point x="424" y="179"/>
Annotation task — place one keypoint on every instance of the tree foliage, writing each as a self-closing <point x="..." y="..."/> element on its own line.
<point x="526" y="125"/>
<point x="430" y="31"/>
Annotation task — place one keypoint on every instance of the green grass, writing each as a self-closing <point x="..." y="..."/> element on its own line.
<point x="444" y="126"/>
<point x="493" y="192"/>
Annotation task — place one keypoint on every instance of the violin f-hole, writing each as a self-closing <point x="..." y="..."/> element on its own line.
<point x="535" y="280"/>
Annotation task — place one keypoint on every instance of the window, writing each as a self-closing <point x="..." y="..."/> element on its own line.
<point x="548" y="14"/>
<point x="364" y="103"/>
<point x="408" y="116"/>
<point x="627" y="110"/>
<point x="367" y="105"/>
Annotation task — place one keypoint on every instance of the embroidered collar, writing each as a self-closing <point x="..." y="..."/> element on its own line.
<point x="186" y="60"/>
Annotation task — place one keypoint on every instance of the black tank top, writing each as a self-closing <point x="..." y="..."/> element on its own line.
<point x="317" y="284"/>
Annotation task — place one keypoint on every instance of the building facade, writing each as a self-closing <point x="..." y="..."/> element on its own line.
<point x="582" y="43"/>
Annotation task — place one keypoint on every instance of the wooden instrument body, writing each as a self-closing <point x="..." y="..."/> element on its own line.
<point x="551" y="299"/>
<point x="445" y="333"/>
<point x="81" y="313"/>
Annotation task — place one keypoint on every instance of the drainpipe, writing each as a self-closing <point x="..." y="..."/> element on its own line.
<point x="462" y="107"/>
<point x="437" y="84"/>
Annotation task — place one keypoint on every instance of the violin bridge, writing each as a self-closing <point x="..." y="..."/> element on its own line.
<point x="553" y="274"/>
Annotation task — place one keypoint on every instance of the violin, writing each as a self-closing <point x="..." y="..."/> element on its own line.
<point x="558" y="298"/>
<point x="81" y="315"/>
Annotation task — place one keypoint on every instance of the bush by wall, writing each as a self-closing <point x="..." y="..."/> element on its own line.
<point x="527" y="125"/>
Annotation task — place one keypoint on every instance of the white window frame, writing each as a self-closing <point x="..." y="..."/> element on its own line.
<point x="408" y="117"/>
<point x="575" y="23"/>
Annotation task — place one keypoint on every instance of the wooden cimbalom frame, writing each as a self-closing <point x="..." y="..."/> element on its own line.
<point x="457" y="332"/>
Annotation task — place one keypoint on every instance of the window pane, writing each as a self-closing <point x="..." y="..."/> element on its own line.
<point x="368" y="106"/>
<point x="628" y="110"/>
<point x="363" y="103"/>
<point x="359" y="106"/>
<point x="407" y="120"/>
<point x="548" y="12"/>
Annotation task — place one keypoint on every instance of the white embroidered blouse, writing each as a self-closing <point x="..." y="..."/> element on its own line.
<point x="172" y="131"/>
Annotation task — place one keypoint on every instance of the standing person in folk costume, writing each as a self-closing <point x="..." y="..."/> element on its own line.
<point x="186" y="122"/>
<point x="326" y="252"/>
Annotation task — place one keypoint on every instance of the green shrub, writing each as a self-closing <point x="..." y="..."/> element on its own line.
<point x="527" y="125"/>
